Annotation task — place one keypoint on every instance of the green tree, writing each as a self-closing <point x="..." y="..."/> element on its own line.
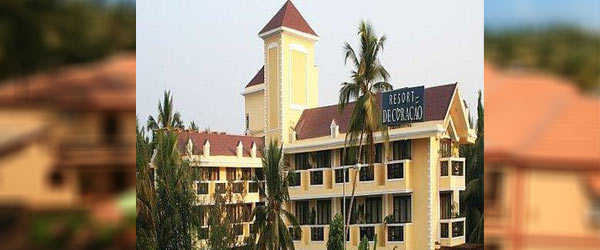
<point x="270" y="219"/>
<point x="167" y="117"/>
<point x="364" y="243"/>
<point x="473" y="195"/>
<point x="336" y="228"/>
<point x="193" y="126"/>
<point x="369" y="77"/>
<point x="176" y="215"/>
<point x="145" y="193"/>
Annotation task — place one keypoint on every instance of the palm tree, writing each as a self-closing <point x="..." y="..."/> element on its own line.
<point x="270" y="218"/>
<point x="369" y="78"/>
<point x="167" y="117"/>
<point x="145" y="193"/>
<point x="193" y="126"/>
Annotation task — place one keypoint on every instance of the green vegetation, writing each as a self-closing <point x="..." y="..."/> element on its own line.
<point x="563" y="50"/>
<point x="368" y="78"/>
<point x="42" y="35"/>
<point x="270" y="219"/>
<point x="336" y="228"/>
<point x="364" y="243"/>
<point x="472" y="198"/>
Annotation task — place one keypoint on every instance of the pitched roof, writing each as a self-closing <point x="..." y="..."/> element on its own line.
<point x="258" y="78"/>
<point x="220" y="143"/>
<point x="288" y="16"/>
<point x="108" y="84"/>
<point x="315" y="122"/>
<point x="539" y="119"/>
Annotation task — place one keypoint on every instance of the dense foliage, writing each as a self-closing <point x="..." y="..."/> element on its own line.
<point x="41" y="35"/>
<point x="336" y="228"/>
<point x="472" y="198"/>
<point x="563" y="50"/>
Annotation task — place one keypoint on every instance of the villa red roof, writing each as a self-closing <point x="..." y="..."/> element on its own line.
<point x="316" y="122"/>
<point x="258" y="78"/>
<point x="220" y="143"/>
<point x="288" y="16"/>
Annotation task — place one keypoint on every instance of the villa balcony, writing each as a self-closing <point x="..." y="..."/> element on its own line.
<point x="392" y="176"/>
<point x="452" y="232"/>
<point x="452" y="173"/>
<point x="246" y="191"/>
<point x="314" y="235"/>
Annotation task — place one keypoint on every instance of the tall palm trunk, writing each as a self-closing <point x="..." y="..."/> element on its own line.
<point x="354" y="183"/>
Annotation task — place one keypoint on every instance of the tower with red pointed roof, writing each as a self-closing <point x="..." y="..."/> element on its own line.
<point x="287" y="84"/>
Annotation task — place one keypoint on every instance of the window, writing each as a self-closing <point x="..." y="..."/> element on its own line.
<point x="493" y="181"/>
<point x="348" y="210"/>
<point x="232" y="174"/>
<point x="202" y="188"/>
<point x="302" y="212"/>
<point x="220" y="188"/>
<point x="301" y="161"/>
<point x="57" y="179"/>
<point x="238" y="229"/>
<point x="339" y="175"/>
<point x="316" y="234"/>
<point x="323" y="159"/>
<point x="246" y="174"/>
<point x="316" y="177"/>
<point x="401" y="150"/>
<point x="367" y="173"/>
<point x="395" y="233"/>
<point x="212" y="173"/>
<point x="457" y="168"/>
<point x="446" y="205"/>
<point x="348" y="155"/>
<point x="458" y="229"/>
<point x="323" y="212"/>
<point x="238" y="187"/>
<point x="247" y="122"/>
<point x="373" y="210"/>
<point x="395" y="171"/>
<point x="259" y="174"/>
<point x="203" y="233"/>
<point x="446" y="148"/>
<point x="444" y="168"/>
<point x="444" y="229"/>
<point x="402" y="209"/>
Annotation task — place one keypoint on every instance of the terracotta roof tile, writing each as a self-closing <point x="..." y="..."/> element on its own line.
<point x="106" y="84"/>
<point x="258" y="78"/>
<point x="220" y="144"/>
<point x="540" y="119"/>
<point x="316" y="122"/>
<point x="288" y="16"/>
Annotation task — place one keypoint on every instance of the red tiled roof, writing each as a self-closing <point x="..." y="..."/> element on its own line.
<point x="258" y="78"/>
<point x="288" y="16"/>
<point x="316" y="122"/>
<point x="220" y="144"/>
<point x="108" y="84"/>
<point x="539" y="120"/>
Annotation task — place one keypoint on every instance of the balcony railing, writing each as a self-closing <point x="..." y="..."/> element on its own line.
<point x="317" y="234"/>
<point x="296" y="236"/>
<point x="339" y="175"/>
<point x="395" y="170"/>
<point x="367" y="173"/>
<point x="395" y="232"/>
<point x="252" y="187"/>
<point x="202" y="188"/>
<point x="316" y="177"/>
<point x="452" y="228"/>
<point x="368" y="231"/>
<point x="453" y="166"/>
<point x="237" y="187"/>
<point x="294" y="179"/>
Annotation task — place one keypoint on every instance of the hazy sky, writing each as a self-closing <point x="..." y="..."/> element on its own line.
<point x="206" y="52"/>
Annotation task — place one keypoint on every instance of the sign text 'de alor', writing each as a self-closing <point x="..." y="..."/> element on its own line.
<point x="402" y="106"/>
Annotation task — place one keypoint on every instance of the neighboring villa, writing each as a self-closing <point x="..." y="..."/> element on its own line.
<point x="419" y="185"/>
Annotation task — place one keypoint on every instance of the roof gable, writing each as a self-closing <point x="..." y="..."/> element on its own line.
<point x="288" y="16"/>
<point x="220" y="144"/>
<point x="258" y="78"/>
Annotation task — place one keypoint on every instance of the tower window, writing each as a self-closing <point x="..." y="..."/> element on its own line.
<point x="247" y="121"/>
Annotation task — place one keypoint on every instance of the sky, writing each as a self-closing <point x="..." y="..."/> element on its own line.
<point x="205" y="53"/>
<point x="527" y="13"/>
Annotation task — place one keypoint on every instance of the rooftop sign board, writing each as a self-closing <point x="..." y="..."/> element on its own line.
<point x="403" y="105"/>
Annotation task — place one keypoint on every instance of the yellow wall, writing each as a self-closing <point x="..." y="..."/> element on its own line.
<point x="255" y="109"/>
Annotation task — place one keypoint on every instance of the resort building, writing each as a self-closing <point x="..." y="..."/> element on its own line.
<point x="409" y="198"/>
<point x="542" y="183"/>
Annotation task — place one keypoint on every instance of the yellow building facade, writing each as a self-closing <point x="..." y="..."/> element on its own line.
<point x="409" y="198"/>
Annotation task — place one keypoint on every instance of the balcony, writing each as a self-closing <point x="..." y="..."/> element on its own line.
<point x="390" y="176"/>
<point x="246" y="190"/>
<point x="452" y="173"/>
<point x="314" y="235"/>
<point x="452" y="232"/>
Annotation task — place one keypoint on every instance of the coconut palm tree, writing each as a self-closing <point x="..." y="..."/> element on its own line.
<point x="369" y="78"/>
<point x="270" y="219"/>
<point x="167" y="117"/>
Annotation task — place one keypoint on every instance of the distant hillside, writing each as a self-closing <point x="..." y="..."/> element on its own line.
<point x="563" y="50"/>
